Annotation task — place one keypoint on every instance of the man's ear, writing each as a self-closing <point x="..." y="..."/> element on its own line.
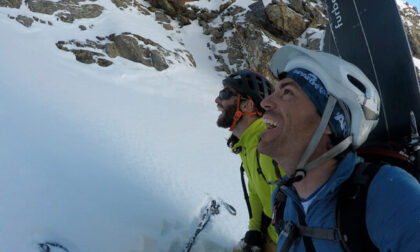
<point x="248" y="106"/>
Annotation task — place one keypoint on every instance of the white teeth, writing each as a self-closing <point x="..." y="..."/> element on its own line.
<point x="269" y="123"/>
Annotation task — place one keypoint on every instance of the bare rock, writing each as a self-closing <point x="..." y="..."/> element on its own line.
<point x="129" y="48"/>
<point x="249" y="44"/>
<point x="122" y="4"/>
<point x="111" y="50"/>
<point x="159" y="16"/>
<point x="65" y="17"/>
<point x="205" y="16"/>
<point x="191" y="58"/>
<point x="158" y="61"/>
<point x="168" y="27"/>
<point x="227" y="26"/>
<point x="414" y="40"/>
<point x="26" y="21"/>
<point x="189" y="13"/>
<point x="166" y="5"/>
<point x="104" y="62"/>
<point x="45" y="7"/>
<point x="217" y="35"/>
<point x="317" y="15"/>
<point x="297" y="5"/>
<point x="285" y="20"/>
<point x="67" y="10"/>
<point x="311" y="39"/>
<point x="226" y="5"/>
<point x="11" y="3"/>
<point x="85" y="56"/>
<point x="411" y="21"/>
<point x="82" y="27"/>
<point x="86" y="11"/>
<point x="183" y="20"/>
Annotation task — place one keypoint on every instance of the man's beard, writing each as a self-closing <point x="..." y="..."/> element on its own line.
<point x="227" y="119"/>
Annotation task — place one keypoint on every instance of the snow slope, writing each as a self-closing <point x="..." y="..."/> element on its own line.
<point x="110" y="159"/>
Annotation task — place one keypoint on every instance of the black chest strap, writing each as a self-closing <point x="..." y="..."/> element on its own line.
<point x="351" y="209"/>
<point x="292" y="231"/>
<point x="351" y="230"/>
<point x="276" y="170"/>
<point x="246" y="196"/>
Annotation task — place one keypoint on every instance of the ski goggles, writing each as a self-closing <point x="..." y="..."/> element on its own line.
<point x="225" y="94"/>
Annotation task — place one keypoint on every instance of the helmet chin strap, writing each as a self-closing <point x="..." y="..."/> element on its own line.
<point x="239" y="113"/>
<point x="303" y="166"/>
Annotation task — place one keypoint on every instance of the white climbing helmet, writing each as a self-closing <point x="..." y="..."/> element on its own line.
<point x="342" y="79"/>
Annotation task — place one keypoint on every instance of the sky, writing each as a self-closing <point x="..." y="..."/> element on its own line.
<point x="415" y="3"/>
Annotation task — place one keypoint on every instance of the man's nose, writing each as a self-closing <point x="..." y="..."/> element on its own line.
<point x="267" y="103"/>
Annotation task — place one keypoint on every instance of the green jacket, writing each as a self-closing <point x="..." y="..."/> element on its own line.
<point x="259" y="191"/>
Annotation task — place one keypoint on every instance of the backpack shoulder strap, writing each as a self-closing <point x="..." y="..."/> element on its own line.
<point x="246" y="196"/>
<point x="276" y="169"/>
<point x="278" y="210"/>
<point x="351" y="209"/>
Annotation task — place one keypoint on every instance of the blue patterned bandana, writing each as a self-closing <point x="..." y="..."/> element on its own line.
<point x="318" y="94"/>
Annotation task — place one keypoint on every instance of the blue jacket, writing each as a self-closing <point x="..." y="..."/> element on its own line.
<point x="392" y="212"/>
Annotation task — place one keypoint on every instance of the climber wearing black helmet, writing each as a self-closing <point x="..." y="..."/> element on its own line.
<point x="239" y="103"/>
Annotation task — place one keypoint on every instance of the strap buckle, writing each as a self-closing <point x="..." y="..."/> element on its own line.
<point x="289" y="228"/>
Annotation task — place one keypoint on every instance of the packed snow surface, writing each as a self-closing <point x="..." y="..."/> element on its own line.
<point x="112" y="159"/>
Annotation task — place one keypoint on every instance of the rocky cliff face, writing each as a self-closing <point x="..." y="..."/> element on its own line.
<point x="239" y="36"/>
<point x="411" y="21"/>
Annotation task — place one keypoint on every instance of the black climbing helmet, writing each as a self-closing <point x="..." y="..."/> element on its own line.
<point x="248" y="83"/>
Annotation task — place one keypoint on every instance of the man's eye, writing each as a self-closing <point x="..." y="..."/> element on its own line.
<point x="287" y="92"/>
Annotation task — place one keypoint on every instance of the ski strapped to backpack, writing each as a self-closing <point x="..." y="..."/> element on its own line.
<point x="212" y="208"/>
<point x="350" y="230"/>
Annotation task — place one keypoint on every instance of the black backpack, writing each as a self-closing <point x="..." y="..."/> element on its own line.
<point x="351" y="230"/>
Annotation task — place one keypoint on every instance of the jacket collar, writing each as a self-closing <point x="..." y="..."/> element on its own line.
<point x="331" y="186"/>
<point x="251" y="135"/>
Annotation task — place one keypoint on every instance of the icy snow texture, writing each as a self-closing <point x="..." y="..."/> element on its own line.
<point x="110" y="159"/>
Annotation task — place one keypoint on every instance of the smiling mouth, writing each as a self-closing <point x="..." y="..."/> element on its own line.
<point x="270" y="124"/>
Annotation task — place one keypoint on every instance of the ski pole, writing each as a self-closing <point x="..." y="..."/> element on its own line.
<point x="211" y="209"/>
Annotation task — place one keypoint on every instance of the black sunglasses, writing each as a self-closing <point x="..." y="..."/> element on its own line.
<point x="225" y="94"/>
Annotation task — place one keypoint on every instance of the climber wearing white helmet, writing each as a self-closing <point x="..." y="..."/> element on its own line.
<point x="323" y="108"/>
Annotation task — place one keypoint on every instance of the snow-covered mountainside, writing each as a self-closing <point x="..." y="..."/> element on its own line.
<point x="116" y="158"/>
<point x="108" y="123"/>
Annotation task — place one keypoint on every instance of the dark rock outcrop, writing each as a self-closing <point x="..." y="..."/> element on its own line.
<point x="285" y="20"/>
<point x="411" y="21"/>
<point x="253" y="35"/>
<point x="26" y="21"/>
<point x="66" y="10"/>
<point x="124" y="4"/>
<point x="129" y="46"/>
<point x="11" y="3"/>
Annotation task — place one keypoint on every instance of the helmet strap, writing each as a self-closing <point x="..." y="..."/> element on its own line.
<point x="239" y="113"/>
<point x="303" y="166"/>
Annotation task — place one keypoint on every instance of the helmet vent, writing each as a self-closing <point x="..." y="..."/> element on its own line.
<point x="357" y="83"/>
